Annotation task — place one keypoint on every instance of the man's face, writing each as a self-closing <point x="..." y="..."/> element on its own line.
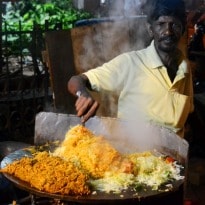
<point x="166" y="32"/>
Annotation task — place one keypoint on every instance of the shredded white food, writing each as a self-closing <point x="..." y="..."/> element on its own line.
<point x="150" y="170"/>
<point x="113" y="182"/>
<point x="155" y="171"/>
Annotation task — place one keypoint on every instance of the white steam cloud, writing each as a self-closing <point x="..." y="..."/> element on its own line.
<point x="122" y="31"/>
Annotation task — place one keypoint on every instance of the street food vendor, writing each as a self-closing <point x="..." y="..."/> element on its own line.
<point x="153" y="84"/>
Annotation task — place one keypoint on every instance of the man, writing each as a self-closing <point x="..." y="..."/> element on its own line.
<point x="153" y="84"/>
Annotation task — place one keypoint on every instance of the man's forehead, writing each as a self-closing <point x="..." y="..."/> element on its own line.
<point x="167" y="19"/>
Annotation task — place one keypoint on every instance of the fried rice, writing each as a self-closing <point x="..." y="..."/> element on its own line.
<point x="49" y="174"/>
<point x="94" y="154"/>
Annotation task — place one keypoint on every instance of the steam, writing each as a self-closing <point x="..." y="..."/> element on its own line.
<point x="138" y="136"/>
<point x="133" y="7"/>
<point x="122" y="31"/>
<point x="102" y="42"/>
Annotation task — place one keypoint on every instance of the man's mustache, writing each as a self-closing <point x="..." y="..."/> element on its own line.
<point x="168" y="38"/>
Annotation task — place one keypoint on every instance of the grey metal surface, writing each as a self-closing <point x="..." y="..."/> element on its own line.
<point x="7" y="147"/>
<point x="125" y="136"/>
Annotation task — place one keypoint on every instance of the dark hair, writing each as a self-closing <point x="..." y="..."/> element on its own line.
<point x="156" y="8"/>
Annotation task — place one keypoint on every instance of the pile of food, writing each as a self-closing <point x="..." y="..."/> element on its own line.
<point x="85" y="163"/>
<point x="93" y="154"/>
<point x="50" y="174"/>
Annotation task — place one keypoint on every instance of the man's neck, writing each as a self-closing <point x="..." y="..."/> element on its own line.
<point x="170" y="58"/>
<point x="171" y="61"/>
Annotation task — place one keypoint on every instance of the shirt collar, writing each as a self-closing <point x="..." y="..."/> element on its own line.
<point x="154" y="61"/>
<point x="184" y="66"/>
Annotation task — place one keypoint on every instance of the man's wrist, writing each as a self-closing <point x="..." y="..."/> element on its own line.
<point x="78" y="93"/>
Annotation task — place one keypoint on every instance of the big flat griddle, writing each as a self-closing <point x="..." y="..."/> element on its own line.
<point x="126" y="137"/>
<point x="96" y="198"/>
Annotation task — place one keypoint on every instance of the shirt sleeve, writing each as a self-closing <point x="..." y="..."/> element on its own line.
<point x="111" y="75"/>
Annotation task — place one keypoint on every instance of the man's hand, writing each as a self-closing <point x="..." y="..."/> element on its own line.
<point x="86" y="106"/>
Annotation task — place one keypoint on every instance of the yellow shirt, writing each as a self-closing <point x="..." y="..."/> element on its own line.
<point x="144" y="88"/>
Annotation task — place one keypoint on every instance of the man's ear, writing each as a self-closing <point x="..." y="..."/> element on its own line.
<point x="149" y="29"/>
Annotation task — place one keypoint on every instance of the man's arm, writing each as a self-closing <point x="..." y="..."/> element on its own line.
<point x="86" y="106"/>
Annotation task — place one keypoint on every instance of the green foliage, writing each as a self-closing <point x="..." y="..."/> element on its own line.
<point x="28" y="12"/>
<point x="26" y="15"/>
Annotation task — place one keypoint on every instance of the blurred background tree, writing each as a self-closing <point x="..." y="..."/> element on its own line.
<point x="24" y="23"/>
<point x="39" y="11"/>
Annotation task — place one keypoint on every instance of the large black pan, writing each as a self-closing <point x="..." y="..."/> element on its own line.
<point x="148" y="197"/>
<point x="127" y="137"/>
<point x="144" y="196"/>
